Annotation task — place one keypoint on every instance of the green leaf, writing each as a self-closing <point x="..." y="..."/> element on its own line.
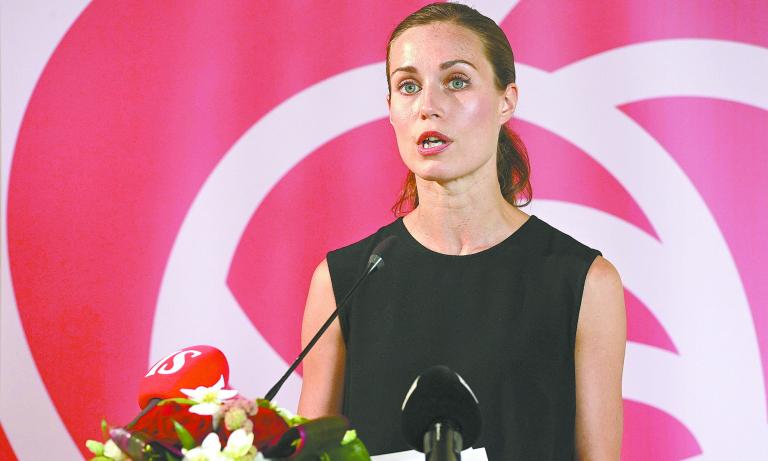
<point x="179" y="400"/>
<point x="186" y="439"/>
<point x="101" y="458"/>
<point x="170" y="457"/>
<point x="295" y="420"/>
<point x="97" y="448"/>
<point x="104" y="428"/>
<point x="349" y="437"/>
<point x="352" y="451"/>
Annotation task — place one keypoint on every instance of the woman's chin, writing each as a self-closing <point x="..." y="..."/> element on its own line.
<point x="433" y="174"/>
<point x="444" y="171"/>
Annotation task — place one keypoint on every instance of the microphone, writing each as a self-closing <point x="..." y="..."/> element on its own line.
<point x="375" y="262"/>
<point x="187" y="368"/>
<point x="440" y="414"/>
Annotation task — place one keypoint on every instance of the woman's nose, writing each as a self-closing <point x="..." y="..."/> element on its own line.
<point x="431" y="105"/>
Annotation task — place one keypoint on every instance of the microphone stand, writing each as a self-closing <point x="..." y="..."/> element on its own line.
<point x="442" y="443"/>
<point x="374" y="262"/>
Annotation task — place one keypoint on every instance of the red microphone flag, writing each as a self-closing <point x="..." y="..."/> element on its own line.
<point x="187" y="368"/>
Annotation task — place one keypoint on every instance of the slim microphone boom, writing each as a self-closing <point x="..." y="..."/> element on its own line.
<point x="374" y="263"/>
<point x="441" y="415"/>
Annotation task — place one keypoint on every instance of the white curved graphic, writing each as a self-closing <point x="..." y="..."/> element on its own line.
<point x="717" y="373"/>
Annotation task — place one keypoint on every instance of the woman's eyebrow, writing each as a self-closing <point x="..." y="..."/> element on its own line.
<point x="443" y="66"/>
<point x="448" y="64"/>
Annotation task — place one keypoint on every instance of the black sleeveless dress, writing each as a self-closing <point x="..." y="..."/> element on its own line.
<point x="504" y="319"/>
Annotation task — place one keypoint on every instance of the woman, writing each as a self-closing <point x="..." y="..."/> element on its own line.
<point x="532" y="319"/>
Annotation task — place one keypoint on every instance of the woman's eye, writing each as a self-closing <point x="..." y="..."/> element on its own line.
<point x="409" y="88"/>
<point x="458" y="83"/>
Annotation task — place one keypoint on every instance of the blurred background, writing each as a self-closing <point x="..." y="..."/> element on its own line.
<point x="172" y="172"/>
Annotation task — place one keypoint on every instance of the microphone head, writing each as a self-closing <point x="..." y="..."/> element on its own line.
<point x="440" y="395"/>
<point x="378" y="250"/>
<point x="187" y="368"/>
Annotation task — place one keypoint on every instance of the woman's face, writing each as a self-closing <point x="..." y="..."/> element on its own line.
<point x="442" y="92"/>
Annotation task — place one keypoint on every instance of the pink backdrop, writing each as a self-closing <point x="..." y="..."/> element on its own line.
<point x="168" y="165"/>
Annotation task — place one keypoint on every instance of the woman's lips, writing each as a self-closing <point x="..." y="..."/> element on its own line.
<point x="432" y="142"/>
<point x="433" y="150"/>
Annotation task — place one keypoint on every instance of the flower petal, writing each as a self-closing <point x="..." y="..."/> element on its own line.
<point x="111" y="450"/>
<point x="195" y="454"/>
<point x="195" y="394"/>
<point x="239" y="443"/>
<point x="226" y="394"/>
<point x="204" y="409"/>
<point x="211" y="442"/>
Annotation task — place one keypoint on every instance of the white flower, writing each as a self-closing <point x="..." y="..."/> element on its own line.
<point x="208" y="399"/>
<point x="111" y="450"/>
<point x="239" y="448"/>
<point x="239" y="445"/>
<point x="210" y="450"/>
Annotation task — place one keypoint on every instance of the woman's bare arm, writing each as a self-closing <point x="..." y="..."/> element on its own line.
<point x="600" y="342"/>
<point x="321" y="390"/>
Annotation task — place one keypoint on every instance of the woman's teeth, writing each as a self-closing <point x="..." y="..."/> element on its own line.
<point x="432" y="142"/>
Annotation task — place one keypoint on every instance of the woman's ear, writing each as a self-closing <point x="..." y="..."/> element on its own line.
<point x="509" y="103"/>
<point x="388" y="109"/>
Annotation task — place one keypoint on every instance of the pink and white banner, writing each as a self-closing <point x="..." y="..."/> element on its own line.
<point x="173" y="171"/>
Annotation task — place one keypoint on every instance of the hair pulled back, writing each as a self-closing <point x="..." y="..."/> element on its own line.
<point x="512" y="165"/>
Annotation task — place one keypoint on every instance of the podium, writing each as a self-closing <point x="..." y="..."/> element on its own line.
<point x="413" y="455"/>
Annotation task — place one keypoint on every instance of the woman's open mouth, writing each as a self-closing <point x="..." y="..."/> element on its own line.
<point x="432" y="142"/>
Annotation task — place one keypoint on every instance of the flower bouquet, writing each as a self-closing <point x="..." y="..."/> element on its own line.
<point x="190" y="414"/>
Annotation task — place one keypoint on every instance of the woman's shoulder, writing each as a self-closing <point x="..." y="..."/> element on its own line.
<point x="549" y="240"/>
<point x="356" y="254"/>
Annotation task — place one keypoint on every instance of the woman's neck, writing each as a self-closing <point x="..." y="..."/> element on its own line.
<point x="461" y="218"/>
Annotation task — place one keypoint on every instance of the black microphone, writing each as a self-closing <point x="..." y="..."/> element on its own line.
<point x="441" y="415"/>
<point x="375" y="262"/>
